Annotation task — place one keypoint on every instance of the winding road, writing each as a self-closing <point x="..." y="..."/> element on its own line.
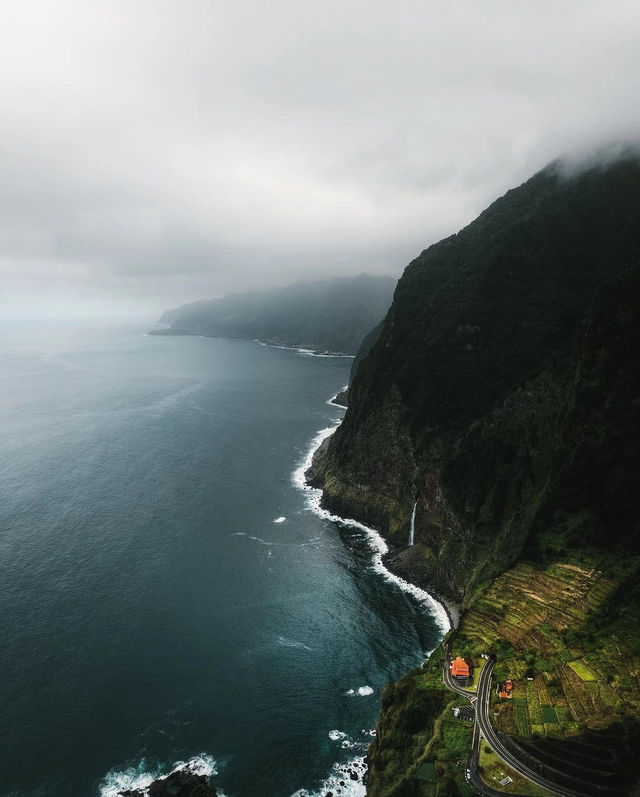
<point x="483" y="729"/>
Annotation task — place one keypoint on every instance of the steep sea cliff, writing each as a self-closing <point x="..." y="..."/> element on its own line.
<point x="331" y="315"/>
<point x="470" y="397"/>
<point x="500" y="404"/>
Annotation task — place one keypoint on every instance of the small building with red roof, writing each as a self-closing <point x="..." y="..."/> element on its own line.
<point x="460" y="668"/>
<point x="506" y="690"/>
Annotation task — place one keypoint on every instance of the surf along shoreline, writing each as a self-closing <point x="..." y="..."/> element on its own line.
<point x="445" y="613"/>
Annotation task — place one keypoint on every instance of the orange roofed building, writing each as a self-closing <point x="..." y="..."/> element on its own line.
<point x="508" y="689"/>
<point x="459" y="668"/>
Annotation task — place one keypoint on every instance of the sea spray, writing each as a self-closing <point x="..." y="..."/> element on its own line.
<point x="141" y="777"/>
<point x="332" y="401"/>
<point x="412" y="526"/>
<point x="346" y="780"/>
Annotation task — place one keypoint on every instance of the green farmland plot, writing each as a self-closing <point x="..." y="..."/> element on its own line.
<point x="533" y="621"/>
<point x="521" y="716"/>
<point x="582" y="671"/>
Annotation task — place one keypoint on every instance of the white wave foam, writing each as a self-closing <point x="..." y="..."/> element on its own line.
<point x="340" y="781"/>
<point x="303" y="352"/>
<point x="336" y="356"/>
<point x="141" y="778"/>
<point x="363" y="691"/>
<point x="271" y="543"/>
<point x="280" y="519"/>
<point x="292" y="643"/>
<point x="375" y="539"/>
<point x="198" y="765"/>
<point x="341" y="778"/>
<point x="345" y="741"/>
<point x="330" y="401"/>
<point x="250" y="537"/>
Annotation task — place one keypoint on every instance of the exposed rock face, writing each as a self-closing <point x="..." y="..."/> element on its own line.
<point x="493" y="394"/>
<point x="341" y="398"/>
<point x="177" y="784"/>
<point x="372" y="483"/>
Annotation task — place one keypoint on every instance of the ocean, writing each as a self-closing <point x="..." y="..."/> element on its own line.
<point x="171" y="594"/>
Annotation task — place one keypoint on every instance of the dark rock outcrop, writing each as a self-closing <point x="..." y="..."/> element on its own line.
<point x="178" y="784"/>
<point x="341" y="399"/>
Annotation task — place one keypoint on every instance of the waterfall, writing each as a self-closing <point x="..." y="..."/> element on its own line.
<point x="412" y="527"/>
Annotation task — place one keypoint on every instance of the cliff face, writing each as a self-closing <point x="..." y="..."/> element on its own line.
<point x="502" y="396"/>
<point x="500" y="392"/>
<point x="326" y="315"/>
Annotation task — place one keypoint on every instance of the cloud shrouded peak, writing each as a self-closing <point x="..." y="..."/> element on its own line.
<point x="154" y="152"/>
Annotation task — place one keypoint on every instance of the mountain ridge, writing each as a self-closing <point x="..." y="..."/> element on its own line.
<point x="324" y="315"/>
<point x="501" y="398"/>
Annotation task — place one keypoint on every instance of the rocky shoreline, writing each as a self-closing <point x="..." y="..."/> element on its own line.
<point x="181" y="783"/>
<point x="341" y="398"/>
<point x="397" y="561"/>
<point x="401" y="565"/>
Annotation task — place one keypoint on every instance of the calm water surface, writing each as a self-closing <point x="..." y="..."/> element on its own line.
<point x="151" y="610"/>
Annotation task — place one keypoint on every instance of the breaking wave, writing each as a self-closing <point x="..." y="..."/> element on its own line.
<point x="140" y="777"/>
<point x="345" y="780"/>
<point x="363" y="691"/>
<point x="306" y="352"/>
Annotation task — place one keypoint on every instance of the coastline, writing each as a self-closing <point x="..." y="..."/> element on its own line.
<point x="333" y="401"/>
<point x="301" y="350"/>
<point x="305" y="352"/>
<point x="392" y="563"/>
<point x="445" y="613"/>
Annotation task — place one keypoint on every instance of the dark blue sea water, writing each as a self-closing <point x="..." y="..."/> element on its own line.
<point x="151" y="609"/>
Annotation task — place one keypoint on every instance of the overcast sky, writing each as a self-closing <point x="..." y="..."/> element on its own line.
<point x="155" y="152"/>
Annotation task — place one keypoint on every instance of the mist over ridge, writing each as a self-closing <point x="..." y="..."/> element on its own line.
<point x="323" y="315"/>
<point x="153" y="153"/>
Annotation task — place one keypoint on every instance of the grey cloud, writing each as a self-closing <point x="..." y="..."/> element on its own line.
<point x="155" y="152"/>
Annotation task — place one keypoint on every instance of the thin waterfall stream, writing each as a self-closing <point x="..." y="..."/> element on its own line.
<point x="412" y="526"/>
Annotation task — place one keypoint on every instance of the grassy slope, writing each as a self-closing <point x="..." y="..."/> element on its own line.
<point x="417" y="729"/>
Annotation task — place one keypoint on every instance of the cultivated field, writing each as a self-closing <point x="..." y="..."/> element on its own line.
<point x="565" y="682"/>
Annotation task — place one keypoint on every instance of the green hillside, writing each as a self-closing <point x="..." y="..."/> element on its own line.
<point x="502" y="397"/>
<point x="325" y="315"/>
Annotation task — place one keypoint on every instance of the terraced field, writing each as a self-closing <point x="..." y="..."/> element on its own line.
<point x="529" y="618"/>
